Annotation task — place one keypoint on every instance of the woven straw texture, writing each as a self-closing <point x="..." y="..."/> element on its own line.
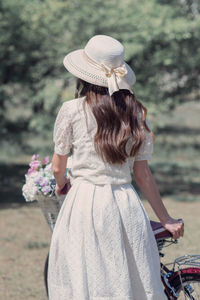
<point x="50" y="207"/>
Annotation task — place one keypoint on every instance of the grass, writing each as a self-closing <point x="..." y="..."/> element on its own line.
<point x="36" y="245"/>
<point x="175" y="163"/>
<point x="25" y="239"/>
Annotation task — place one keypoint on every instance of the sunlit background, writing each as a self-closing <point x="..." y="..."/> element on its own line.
<point x="162" y="45"/>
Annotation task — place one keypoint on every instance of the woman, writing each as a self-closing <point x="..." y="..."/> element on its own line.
<point x="102" y="246"/>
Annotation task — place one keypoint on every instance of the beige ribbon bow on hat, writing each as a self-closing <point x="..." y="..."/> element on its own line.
<point x="113" y="75"/>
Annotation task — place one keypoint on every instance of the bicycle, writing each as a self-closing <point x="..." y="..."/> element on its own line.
<point x="182" y="280"/>
<point x="179" y="283"/>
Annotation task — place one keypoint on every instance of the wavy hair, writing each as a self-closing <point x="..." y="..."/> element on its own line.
<point x="117" y="121"/>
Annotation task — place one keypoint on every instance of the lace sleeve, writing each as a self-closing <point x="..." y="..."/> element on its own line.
<point x="62" y="134"/>
<point x="146" y="149"/>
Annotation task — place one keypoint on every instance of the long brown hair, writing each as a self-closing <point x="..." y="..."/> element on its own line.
<point x="117" y="121"/>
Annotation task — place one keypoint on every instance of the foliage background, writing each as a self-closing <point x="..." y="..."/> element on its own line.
<point x="161" y="40"/>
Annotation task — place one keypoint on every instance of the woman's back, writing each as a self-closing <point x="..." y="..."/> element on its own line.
<point x="102" y="237"/>
<point x="75" y="129"/>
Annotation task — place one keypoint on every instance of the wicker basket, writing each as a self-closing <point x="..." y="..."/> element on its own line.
<point x="50" y="206"/>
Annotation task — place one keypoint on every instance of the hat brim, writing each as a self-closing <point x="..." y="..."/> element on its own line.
<point x="76" y="63"/>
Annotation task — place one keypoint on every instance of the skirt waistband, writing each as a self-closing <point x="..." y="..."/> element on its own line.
<point x="91" y="181"/>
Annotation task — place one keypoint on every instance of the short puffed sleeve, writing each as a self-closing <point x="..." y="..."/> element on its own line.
<point x="62" y="134"/>
<point x="146" y="149"/>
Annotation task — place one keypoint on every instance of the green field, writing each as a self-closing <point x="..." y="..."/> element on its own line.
<point x="176" y="163"/>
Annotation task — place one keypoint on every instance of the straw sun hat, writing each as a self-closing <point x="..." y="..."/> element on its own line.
<point x="102" y="63"/>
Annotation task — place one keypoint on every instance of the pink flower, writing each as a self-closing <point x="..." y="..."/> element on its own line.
<point x="44" y="182"/>
<point x="45" y="160"/>
<point x="35" y="157"/>
<point x="31" y="170"/>
<point x="34" y="164"/>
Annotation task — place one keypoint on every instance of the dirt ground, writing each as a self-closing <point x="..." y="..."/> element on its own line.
<point x="25" y="239"/>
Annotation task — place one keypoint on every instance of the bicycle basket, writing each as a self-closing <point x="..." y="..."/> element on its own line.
<point x="50" y="207"/>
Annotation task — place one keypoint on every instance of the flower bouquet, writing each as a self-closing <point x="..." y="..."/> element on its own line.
<point x="40" y="186"/>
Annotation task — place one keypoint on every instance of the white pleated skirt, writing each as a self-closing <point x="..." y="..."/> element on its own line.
<point x="103" y="247"/>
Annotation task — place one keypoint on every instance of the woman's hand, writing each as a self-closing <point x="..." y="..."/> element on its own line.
<point x="58" y="188"/>
<point x="176" y="227"/>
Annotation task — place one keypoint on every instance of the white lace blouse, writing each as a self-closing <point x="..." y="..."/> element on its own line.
<point x="72" y="132"/>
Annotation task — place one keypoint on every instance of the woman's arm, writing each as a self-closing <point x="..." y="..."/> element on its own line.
<point x="147" y="184"/>
<point x="58" y="167"/>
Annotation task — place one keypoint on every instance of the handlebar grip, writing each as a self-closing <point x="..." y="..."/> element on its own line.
<point x="181" y="220"/>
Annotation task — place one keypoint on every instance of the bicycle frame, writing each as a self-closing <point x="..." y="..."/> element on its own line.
<point x="183" y="264"/>
<point x="165" y="275"/>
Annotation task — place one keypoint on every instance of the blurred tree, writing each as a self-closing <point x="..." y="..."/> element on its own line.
<point x="161" y="39"/>
<point x="32" y="46"/>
